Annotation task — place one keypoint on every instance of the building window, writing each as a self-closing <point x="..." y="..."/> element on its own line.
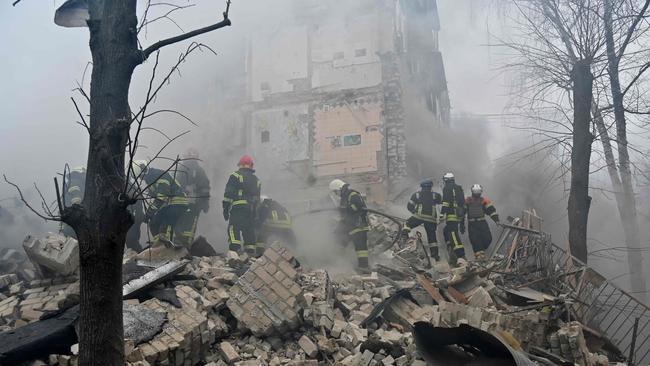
<point x="265" y="86"/>
<point x="351" y="140"/>
<point x="266" y="136"/>
<point x="360" y="52"/>
<point x="339" y="55"/>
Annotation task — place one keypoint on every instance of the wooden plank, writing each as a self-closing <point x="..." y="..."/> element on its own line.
<point x="430" y="288"/>
<point x="457" y="295"/>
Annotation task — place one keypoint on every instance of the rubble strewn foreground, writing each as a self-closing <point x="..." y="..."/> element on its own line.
<point x="234" y="310"/>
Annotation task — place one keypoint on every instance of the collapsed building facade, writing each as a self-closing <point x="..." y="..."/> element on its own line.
<point x="331" y="93"/>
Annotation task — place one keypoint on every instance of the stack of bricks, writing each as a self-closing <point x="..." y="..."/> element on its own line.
<point x="528" y="327"/>
<point x="185" y="338"/>
<point x="266" y="299"/>
<point x="40" y="297"/>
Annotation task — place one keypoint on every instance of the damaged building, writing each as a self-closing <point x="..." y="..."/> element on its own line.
<point x="332" y="93"/>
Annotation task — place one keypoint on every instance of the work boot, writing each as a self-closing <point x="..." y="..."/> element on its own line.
<point x="434" y="252"/>
<point x="234" y="247"/>
<point x="459" y="252"/>
<point x="363" y="263"/>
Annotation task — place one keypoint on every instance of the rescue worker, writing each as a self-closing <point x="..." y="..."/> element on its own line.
<point x="197" y="187"/>
<point x="168" y="213"/>
<point x="75" y="183"/>
<point x="423" y="207"/>
<point x="453" y="208"/>
<point x="274" y="220"/>
<point x="354" y="220"/>
<point x="240" y="200"/>
<point x="477" y="207"/>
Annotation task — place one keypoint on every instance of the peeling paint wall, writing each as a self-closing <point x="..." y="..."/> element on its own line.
<point x="348" y="137"/>
<point x="280" y="135"/>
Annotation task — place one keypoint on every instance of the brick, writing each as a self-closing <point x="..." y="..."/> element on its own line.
<point x="309" y="347"/>
<point x="228" y="352"/>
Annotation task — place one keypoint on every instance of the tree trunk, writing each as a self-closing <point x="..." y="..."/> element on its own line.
<point x="102" y="221"/>
<point x="627" y="210"/>
<point x="579" y="200"/>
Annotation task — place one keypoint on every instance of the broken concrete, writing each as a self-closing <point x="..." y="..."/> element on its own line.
<point x="54" y="255"/>
<point x="267" y="299"/>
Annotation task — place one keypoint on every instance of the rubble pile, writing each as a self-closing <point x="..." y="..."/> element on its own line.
<point x="231" y="309"/>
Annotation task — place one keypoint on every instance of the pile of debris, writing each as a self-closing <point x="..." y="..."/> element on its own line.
<point x="231" y="309"/>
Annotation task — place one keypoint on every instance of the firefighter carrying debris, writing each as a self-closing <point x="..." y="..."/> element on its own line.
<point x="423" y="207"/>
<point x="477" y="207"/>
<point x="240" y="201"/>
<point x="354" y="220"/>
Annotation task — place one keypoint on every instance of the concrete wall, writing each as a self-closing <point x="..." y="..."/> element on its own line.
<point x="347" y="137"/>
<point x="344" y="54"/>
<point x="280" y="135"/>
<point x="278" y="56"/>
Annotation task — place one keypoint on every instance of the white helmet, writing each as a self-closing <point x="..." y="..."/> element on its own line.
<point x="138" y="167"/>
<point x="336" y="185"/>
<point x="448" y="176"/>
<point x="477" y="189"/>
<point x="264" y="198"/>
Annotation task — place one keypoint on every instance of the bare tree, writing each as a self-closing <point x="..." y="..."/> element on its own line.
<point x="102" y="220"/>
<point x="562" y="45"/>
<point x="624" y="22"/>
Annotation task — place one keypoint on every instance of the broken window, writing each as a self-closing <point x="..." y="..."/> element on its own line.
<point x="266" y="136"/>
<point x="360" y="52"/>
<point x="351" y="140"/>
<point x="339" y="55"/>
<point x="265" y="86"/>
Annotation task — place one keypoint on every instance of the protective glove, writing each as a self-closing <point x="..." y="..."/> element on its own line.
<point x="462" y="227"/>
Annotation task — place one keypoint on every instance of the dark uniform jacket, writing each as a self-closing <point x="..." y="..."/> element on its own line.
<point x="353" y="210"/>
<point x="453" y="202"/>
<point x="196" y="184"/>
<point x="164" y="189"/>
<point x="243" y="189"/>
<point x="273" y="215"/>
<point x="423" y="205"/>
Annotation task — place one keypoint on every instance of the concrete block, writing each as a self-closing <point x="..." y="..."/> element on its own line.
<point x="55" y="253"/>
<point x="306" y="344"/>
<point x="228" y="352"/>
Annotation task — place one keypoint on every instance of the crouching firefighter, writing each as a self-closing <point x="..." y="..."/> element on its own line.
<point x="477" y="207"/>
<point x="240" y="201"/>
<point x="354" y="220"/>
<point x="453" y="208"/>
<point x="423" y="207"/>
<point x="167" y="214"/>
<point x="274" y="221"/>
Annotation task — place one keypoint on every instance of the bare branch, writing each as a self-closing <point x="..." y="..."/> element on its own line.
<point x="166" y="42"/>
<point x="22" y="198"/>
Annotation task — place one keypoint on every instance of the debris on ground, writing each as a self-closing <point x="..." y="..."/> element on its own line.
<point x="526" y="303"/>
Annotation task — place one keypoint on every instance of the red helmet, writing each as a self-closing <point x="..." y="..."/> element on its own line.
<point x="245" y="160"/>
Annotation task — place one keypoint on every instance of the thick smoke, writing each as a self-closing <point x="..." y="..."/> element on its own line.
<point x="39" y="120"/>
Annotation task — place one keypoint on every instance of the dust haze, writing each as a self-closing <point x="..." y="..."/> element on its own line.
<point x="39" y="135"/>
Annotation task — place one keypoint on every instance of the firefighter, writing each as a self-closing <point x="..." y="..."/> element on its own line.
<point x="197" y="187"/>
<point x="240" y="200"/>
<point x="423" y="207"/>
<point x="75" y="183"/>
<point x="354" y="220"/>
<point x="273" y="219"/>
<point x="168" y="209"/>
<point x="453" y="208"/>
<point x="477" y="207"/>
